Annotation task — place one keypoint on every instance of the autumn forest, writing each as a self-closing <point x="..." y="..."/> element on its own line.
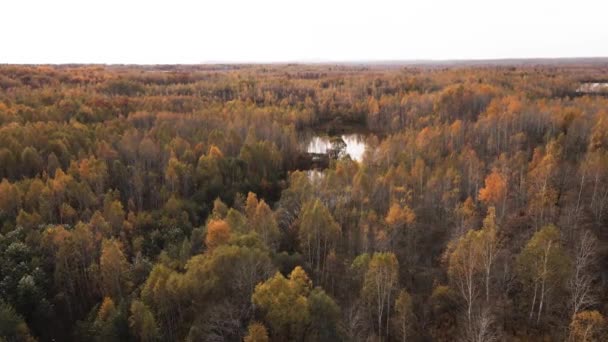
<point x="182" y="203"/>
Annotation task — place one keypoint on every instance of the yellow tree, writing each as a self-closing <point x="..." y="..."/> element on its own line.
<point x="251" y="203"/>
<point x="466" y="216"/>
<point x="470" y="260"/>
<point x="399" y="218"/>
<point x="114" y="269"/>
<point x="256" y="332"/>
<point x="404" y="315"/>
<point x="381" y="279"/>
<point x="10" y="199"/>
<point x="542" y="193"/>
<point x="588" y="326"/>
<point x="318" y="234"/>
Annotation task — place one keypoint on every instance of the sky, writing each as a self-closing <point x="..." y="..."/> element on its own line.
<point x="181" y="31"/>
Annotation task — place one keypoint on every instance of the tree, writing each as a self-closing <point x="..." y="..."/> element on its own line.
<point x="324" y="316"/>
<point x="464" y="260"/>
<point x="251" y="204"/>
<point x="488" y="239"/>
<point x="582" y="278"/>
<point x="399" y="218"/>
<point x="236" y="221"/>
<point x="284" y="302"/>
<point x="209" y="175"/>
<point x="264" y="223"/>
<point x="31" y="198"/>
<point x="142" y="322"/>
<point x="595" y="167"/>
<point x="74" y="252"/>
<point x="404" y="315"/>
<point x="159" y="292"/>
<point x="318" y="234"/>
<point x="8" y="164"/>
<point x="114" y="214"/>
<point x="481" y="328"/>
<point x="470" y="258"/>
<point x="588" y="326"/>
<point x="214" y="294"/>
<point x="114" y="270"/>
<point x="110" y="324"/>
<point x="218" y="233"/>
<point x="380" y="282"/>
<point x="31" y="162"/>
<point x="28" y="221"/>
<point x="466" y="216"/>
<point x="10" y="199"/>
<point x="12" y="325"/>
<point x="220" y="209"/>
<point x="256" y="332"/>
<point x="495" y="191"/>
<point x="542" y="266"/>
<point x="542" y="190"/>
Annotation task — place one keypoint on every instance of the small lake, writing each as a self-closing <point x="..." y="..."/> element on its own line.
<point x="593" y="87"/>
<point x="352" y="145"/>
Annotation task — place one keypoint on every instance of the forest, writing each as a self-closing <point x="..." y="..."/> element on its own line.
<point x="179" y="203"/>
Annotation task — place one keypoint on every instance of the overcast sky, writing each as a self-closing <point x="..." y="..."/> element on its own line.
<point x="180" y="31"/>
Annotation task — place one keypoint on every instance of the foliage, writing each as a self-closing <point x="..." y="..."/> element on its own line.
<point x="158" y="202"/>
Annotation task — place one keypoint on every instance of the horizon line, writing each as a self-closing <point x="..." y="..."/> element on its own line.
<point x="421" y="61"/>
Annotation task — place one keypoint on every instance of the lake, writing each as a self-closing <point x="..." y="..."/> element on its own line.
<point x="593" y="88"/>
<point x="352" y="145"/>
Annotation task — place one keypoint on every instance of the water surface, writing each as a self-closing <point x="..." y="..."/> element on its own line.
<point x="353" y="145"/>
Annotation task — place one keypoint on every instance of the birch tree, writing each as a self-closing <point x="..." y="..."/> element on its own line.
<point x="542" y="267"/>
<point x="489" y="247"/>
<point x="380" y="282"/>
<point x="581" y="281"/>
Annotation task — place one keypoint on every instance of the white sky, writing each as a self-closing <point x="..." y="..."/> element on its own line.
<point x="181" y="31"/>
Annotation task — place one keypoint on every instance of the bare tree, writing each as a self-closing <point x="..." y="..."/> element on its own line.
<point x="355" y="323"/>
<point x="481" y="328"/>
<point x="490" y="245"/>
<point x="580" y="283"/>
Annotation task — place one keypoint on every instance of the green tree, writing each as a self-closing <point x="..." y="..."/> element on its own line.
<point x="464" y="266"/>
<point x="324" y="317"/>
<point x="142" y="322"/>
<point x="12" y="325"/>
<point x="264" y="223"/>
<point x="159" y="293"/>
<point x="284" y="303"/>
<point x="31" y="162"/>
<point x="543" y="267"/>
<point x="110" y="323"/>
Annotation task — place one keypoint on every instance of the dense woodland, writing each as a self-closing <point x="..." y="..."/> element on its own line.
<point x="165" y="204"/>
